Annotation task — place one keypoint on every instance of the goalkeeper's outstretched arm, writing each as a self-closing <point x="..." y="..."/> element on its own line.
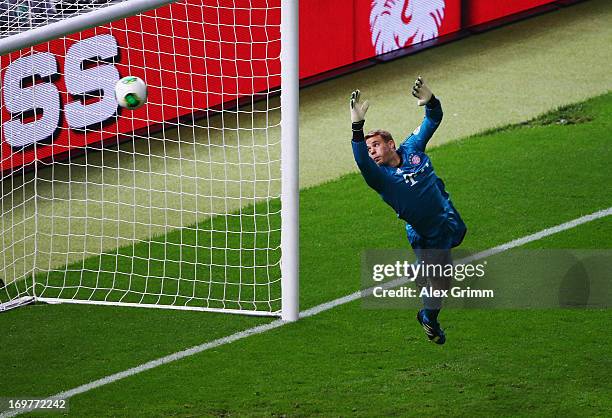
<point x="369" y="169"/>
<point x="433" y="115"/>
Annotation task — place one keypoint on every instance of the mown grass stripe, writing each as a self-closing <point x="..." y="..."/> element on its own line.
<point x="305" y="314"/>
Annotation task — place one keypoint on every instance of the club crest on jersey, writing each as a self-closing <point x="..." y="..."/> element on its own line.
<point x="415" y="159"/>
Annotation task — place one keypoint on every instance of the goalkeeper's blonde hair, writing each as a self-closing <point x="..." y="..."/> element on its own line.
<point x="385" y="135"/>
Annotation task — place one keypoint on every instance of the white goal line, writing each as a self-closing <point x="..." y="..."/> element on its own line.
<point x="304" y="314"/>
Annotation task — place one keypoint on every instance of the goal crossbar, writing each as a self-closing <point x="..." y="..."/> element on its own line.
<point x="68" y="26"/>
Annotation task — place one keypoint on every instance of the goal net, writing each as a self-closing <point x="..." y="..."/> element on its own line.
<point x="188" y="202"/>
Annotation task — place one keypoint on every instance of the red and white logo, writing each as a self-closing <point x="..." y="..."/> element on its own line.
<point x="398" y="23"/>
<point x="415" y="159"/>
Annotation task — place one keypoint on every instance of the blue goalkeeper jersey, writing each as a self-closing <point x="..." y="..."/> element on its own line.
<point x="413" y="189"/>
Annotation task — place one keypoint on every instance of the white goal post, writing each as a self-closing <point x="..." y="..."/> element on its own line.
<point x="189" y="202"/>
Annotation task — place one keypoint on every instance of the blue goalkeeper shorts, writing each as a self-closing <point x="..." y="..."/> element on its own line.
<point x="450" y="235"/>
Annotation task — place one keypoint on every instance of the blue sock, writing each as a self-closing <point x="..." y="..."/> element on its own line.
<point x="432" y="305"/>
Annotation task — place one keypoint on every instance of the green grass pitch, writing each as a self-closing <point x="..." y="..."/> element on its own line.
<point x="351" y="361"/>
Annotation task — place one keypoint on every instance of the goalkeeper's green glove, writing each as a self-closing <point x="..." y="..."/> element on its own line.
<point x="358" y="108"/>
<point x="421" y="91"/>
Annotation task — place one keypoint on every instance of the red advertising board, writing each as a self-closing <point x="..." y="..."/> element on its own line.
<point x="59" y="96"/>
<point x="482" y="11"/>
<point x="390" y="25"/>
<point x="195" y="55"/>
<point x="327" y="32"/>
<point x="340" y="32"/>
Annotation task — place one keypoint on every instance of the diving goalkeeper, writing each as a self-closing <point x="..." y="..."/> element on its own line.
<point x="405" y="179"/>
